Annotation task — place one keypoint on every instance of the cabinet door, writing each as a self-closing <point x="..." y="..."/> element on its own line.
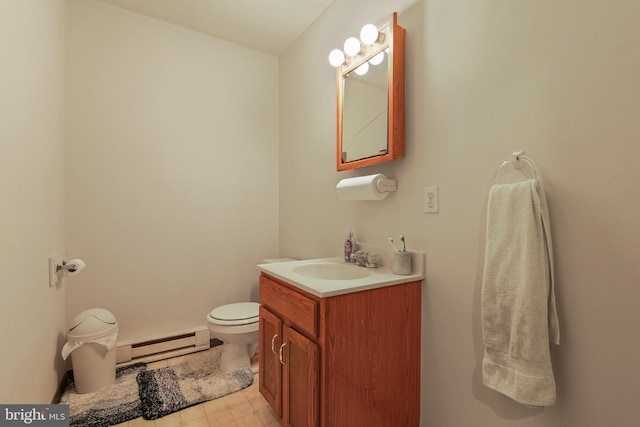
<point x="300" y="377"/>
<point x="270" y="367"/>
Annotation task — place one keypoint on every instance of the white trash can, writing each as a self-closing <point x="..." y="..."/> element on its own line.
<point x="91" y="341"/>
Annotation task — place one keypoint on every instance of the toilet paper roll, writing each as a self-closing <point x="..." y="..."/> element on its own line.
<point x="74" y="266"/>
<point x="361" y="188"/>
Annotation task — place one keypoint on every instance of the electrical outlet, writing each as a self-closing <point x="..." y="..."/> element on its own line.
<point x="431" y="204"/>
<point x="54" y="275"/>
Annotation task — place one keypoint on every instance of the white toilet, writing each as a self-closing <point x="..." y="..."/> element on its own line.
<point x="236" y="325"/>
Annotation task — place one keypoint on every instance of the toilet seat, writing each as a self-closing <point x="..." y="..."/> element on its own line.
<point x="241" y="313"/>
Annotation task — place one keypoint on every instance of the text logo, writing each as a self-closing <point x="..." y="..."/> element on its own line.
<point x="34" y="415"/>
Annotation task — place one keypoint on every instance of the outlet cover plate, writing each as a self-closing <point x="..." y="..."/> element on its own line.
<point x="431" y="204"/>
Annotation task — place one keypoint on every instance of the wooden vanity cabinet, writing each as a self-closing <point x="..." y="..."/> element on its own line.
<point x="270" y="367"/>
<point x="351" y="360"/>
<point x="288" y="371"/>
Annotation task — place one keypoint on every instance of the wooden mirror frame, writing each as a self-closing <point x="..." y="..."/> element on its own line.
<point x="395" y="113"/>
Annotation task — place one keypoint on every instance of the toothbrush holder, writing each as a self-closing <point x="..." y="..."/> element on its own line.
<point x="401" y="263"/>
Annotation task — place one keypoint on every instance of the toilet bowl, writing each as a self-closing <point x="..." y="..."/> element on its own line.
<point x="236" y="325"/>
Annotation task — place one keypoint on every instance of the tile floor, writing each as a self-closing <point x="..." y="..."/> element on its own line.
<point x="246" y="408"/>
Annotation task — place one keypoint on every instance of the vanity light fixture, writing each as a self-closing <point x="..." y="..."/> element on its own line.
<point x="337" y="58"/>
<point x="370" y="34"/>
<point x="352" y="46"/>
<point x="363" y="49"/>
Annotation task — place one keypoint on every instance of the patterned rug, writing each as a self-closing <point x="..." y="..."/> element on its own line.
<point x="110" y="405"/>
<point x="196" y="380"/>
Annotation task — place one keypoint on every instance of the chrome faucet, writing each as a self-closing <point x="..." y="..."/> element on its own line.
<point x="361" y="258"/>
<point x="364" y="259"/>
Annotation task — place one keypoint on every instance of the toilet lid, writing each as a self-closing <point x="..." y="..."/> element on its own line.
<point x="241" y="313"/>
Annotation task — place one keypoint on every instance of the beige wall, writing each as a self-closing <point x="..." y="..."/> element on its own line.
<point x="484" y="78"/>
<point x="32" y="197"/>
<point x="172" y="169"/>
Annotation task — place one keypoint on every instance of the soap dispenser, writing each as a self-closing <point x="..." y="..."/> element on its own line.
<point x="348" y="247"/>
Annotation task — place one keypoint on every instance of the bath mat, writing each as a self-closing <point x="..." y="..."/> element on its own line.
<point x="198" y="379"/>
<point x="108" y="406"/>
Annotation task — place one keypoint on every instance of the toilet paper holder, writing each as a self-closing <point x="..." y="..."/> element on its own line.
<point x="73" y="266"/>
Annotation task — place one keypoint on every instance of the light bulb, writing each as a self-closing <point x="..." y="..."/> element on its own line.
<point x="377" y="60"/>
<point x="362" y="70"/>
<point x="336" y="57"/>
<point x="352" y="46"/>
<point x="369" y="34"/>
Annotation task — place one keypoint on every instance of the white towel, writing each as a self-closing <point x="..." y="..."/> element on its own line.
<point x="518" y="308"/>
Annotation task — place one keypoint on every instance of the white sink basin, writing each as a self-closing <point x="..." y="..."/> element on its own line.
<point x="331" y="271"/>
<point x="328" y="277"/>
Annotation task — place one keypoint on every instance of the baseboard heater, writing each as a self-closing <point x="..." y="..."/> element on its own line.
<point x="163" y="347"/>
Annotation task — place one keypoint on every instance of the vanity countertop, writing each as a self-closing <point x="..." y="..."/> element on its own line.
<point x="375" y="277"/>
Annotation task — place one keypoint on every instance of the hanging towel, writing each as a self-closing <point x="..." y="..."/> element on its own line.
<point x="518" y="306"/>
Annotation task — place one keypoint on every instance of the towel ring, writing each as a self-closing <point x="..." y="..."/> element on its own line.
<point x="517" y="167"/>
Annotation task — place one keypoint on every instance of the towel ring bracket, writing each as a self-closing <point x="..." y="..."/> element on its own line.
<point x="518" y="161"/>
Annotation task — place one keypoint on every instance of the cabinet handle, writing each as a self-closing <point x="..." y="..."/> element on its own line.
<point x="273" y="343"/>
<point x="281" y="355"/>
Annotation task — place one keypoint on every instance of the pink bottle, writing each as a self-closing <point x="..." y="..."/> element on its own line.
<point x="348" y="247"/>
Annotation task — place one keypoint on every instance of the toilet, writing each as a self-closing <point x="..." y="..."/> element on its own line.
<point x="236" y="325"/>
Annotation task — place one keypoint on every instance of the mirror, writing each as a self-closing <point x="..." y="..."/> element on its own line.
<point x="370" y="111"/>
<point x="365" y="112"/>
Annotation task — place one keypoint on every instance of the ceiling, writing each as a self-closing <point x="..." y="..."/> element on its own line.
<point x="269" y="26"/>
